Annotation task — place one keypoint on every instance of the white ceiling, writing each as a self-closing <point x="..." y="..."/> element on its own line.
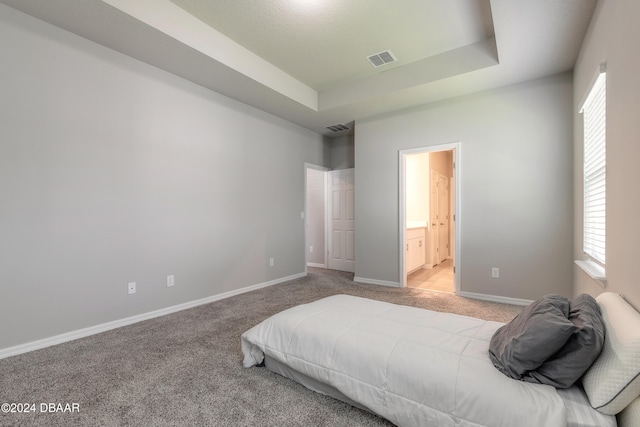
<point x="306" y="60"/>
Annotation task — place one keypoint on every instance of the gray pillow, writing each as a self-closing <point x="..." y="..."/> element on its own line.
<point x="566" y="367"/>
<point x="533" y="336"/>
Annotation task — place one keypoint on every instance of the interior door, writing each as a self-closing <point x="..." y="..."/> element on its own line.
<point x="342" y="220"/>
<point x="434" y="238"/>
<point x="443" y="217"/>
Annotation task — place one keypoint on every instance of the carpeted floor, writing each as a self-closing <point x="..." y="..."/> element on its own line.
<point x="185" y="369"/>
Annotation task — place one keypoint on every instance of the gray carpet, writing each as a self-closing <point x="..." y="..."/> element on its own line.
<point x="185" y="369"/>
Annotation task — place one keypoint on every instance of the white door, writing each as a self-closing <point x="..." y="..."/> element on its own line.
<point x="443" y="218"/>
<point x="434" y="239"/>
<point x="342" y="220"/>
<point x="439" y="215"/>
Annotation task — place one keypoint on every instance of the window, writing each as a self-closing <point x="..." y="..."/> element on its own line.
<point x="595" y="167"/>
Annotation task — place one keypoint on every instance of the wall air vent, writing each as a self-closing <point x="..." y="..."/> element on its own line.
<point x="338" y="128"/>
<point x="381" y="58"/>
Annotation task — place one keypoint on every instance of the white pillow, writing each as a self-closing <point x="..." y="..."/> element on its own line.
<point x="630" y="417"/>
<point x="613" y="381"/>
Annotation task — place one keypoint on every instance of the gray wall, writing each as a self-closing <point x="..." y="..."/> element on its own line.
<point x="613" y="37"/>
<point x="113" y="171"/>
<point x="342" y="152"/>
<point x="516" y="186"/>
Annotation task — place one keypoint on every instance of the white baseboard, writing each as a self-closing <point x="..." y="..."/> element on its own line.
<point x="313" y="264"/>
<point x="92" y="330"/>
<point x="495" y="298"/>
<point x="376" y="282"/>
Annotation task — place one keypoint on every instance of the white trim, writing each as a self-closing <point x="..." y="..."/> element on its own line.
<point x="314" y="264"/>
<point x="456" y="147"/>
<point x="377" y="282"/>
<point x="306" y="210"/>
<point x="594" y="270"/>
<point x="495" y="298"/>
<point x="92" y="330"/>
<point x="596" y="80"/>
<point x="402" y="215"/>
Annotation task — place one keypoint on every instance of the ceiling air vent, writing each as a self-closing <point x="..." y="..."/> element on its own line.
<point x="382" y="58"/>
<point x="338" y="128"/>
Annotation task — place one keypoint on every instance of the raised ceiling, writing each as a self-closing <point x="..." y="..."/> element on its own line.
<point x="326" y="42"/>
<point x="306" y="60"/>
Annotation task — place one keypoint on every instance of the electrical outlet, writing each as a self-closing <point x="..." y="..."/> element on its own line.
<point x="495" y="272"/>
<point x="310" y="248"/>
<point x="132" y="288"/>
<point x="271" y="262"/>
<point x="171" y="280"/>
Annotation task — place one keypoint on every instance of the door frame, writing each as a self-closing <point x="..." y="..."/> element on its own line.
<point x="325" y="171"/>
<point x="402" y="192"/>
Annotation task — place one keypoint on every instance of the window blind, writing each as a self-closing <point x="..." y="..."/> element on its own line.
<point x="595" y="170"/>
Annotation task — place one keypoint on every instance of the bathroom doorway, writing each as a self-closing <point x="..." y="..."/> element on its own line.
<point x="429" y="221"/>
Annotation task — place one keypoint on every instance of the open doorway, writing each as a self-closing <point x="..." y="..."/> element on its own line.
<point x="429" y="224"/>
<point x="315" y="232"/>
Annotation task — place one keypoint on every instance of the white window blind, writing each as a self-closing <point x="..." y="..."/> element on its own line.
<point x="595" y="170"/>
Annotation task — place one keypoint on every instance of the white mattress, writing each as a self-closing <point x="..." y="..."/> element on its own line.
<point x="412" y="366"/>
<point x="579" y="411"/>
